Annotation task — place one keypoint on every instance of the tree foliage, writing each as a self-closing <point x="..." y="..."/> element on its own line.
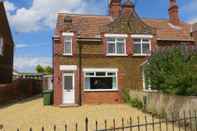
<point x="45" y="70"/>
<point x="173" y="70"/>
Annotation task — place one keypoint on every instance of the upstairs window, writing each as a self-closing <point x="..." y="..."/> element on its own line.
<point x="1" y="45"/>
<point x="116" y="45"/>
<point x="142" y="46"/>
<point x="68" y="43"/>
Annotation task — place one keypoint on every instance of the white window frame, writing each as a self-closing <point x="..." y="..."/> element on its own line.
<point x="68" y="34"/>
<point x="1" y="46"/>
<point x="141" y="37"/>
<point x="94" y="70"/>
<point x="116" y="36"/>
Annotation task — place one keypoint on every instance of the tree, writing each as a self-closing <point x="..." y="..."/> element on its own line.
<point x="48" y="70"/>
<point x="40" y="69"/>
<point x="173" y="70"/>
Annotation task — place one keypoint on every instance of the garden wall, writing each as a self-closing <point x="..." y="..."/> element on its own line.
<point x="163" y="104"/>
<point x="19" y="89"/>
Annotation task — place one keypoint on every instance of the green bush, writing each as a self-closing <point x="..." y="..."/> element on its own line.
<point x="134" y="102"/>
<point x="173" y="70"/>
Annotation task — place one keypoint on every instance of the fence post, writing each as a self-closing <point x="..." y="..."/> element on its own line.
<point x="54" y="128"/>
<point x="30" y="129"/>
<point x="138" y="123"/>
<point x="146" y="124"/>
<point x="18" y="129"/>
<point x="184" y="121"/>
<point x="190" y="119"/>
<point x="86" y="124"/>
<point x="96" y="125"/>
<point x="114" y="124"/>
<point x="122" y="124"/>
<point x="166" y="123"/>
<point x="153" y="123"/>
<point x="130" y="124"/>
<point x="196" y="120"/>
<point x="65" y="127"/>
<point x="42" y="129"/>
<point x="173" y="121"/>
<point x="160" y="123"/>
<point x="76" y="126"/>
<point x="105" y="124"/>
<point x="179" y="119"/>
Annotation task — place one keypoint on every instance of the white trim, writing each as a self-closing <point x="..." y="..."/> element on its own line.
<point x="117" y="54"/>
<point x="73" y="81"/>
<point x="85" y="70"/>
<point x="141" y="36"/>
<point x="141" y="47"/>
<point x="71" y="47"/>
<point x="68" y="67"/>
<point x="116" y="35"/>
<point x="68" y="34"/>
<point x="100" y="69"/>
<point x="100" y="90"/>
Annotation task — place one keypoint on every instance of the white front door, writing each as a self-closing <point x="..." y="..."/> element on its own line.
<point x="68" y="88"/>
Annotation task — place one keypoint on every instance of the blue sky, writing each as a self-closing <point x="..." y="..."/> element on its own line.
<point x="33" y="21"/>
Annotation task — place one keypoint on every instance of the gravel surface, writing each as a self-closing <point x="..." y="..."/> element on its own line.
<point x="32" y="113"/>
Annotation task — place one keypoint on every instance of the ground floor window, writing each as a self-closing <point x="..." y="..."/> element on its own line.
<point x="100" y="80"/>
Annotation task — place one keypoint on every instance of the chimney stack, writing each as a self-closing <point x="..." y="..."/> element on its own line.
<point x="174" y="13"/>
<point x="114" y="8"/>
<point x="128" y="8"/>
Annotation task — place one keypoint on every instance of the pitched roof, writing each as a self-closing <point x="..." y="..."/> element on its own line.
<point x="89" y="26"/>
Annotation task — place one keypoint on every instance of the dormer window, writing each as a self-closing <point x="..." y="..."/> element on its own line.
<point x="116" y="45"/>
<point x="141" y="45"/>
<point x="68" y="40"/>
<point x="1" y="45"/>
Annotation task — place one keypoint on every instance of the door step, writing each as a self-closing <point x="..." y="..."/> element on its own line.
<point x="69" y="105"/>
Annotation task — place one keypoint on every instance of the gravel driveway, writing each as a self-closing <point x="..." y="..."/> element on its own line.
<point x="32" y="113"/>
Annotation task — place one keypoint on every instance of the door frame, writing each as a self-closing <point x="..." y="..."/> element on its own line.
<point x="73" y="82"/>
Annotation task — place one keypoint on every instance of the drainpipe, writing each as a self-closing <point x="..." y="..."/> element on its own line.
<point x="80" y="73"/>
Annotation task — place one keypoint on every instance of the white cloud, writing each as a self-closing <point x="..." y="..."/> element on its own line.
<point x="28" y="64"/>
<point x="22" y="45"/>
<point x="42" y="13"/>
<point x="9" y="6"/>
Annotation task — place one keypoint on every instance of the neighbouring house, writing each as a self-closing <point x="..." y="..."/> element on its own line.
<point x="194" y="32"/>
<point x="6" y="48"/>
<point x="96" y="57"/>
<point x="47" y="82"/>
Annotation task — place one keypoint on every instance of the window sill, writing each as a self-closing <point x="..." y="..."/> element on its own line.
<point x="64" y="54"/>
<point x="116" y="55"/>
<point x="101" y="90"/>
<point x="142" y="55"/>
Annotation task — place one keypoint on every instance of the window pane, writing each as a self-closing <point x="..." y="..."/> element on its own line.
<point x="137" y="40"/>
<point x="100" y="73"/>
<point x="146" y="48"/>
<point x="114" y="83"/>
<point x="101" y="83"/>
<point x="68" y="47"/>
<point x="109" y="40"/>
<point x="137" y="48"/>
<point x="90" y="74"/>
<point x="68" y="85"/>
<point x="120" y="48"/>
<point x="111" y="48"/>
<point x="120" y="39"/>
<point x="111" y="74"/>
<point x="87" y="83"/>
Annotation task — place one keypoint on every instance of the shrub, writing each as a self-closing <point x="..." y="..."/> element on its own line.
<point x="173" y="70"/>
<point x="134" y="102"/>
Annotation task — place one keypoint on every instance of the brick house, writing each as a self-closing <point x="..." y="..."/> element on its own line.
<point x="96" y="57"/>
<point x="6" y="48"/>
